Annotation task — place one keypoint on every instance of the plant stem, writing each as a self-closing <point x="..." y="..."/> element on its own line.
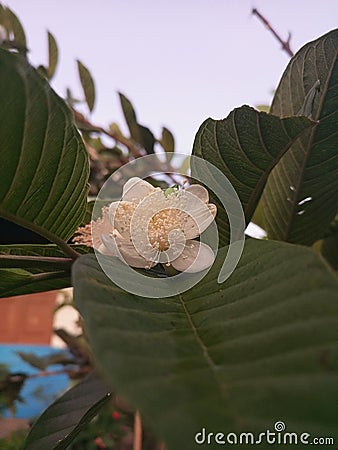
<point x="81" y="120"/>
<point x="66" y="248"/>
<point x="137" y="444"/>
<point x="45" y="276"/>
<point x="285" y="44"/>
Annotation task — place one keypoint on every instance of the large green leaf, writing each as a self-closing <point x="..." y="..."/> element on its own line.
<point x="237" y="356"/>
<point x="57" y="427"/>
<point x="34" y="268"/>
<point x="44" y="164"/>
<point x="245" y="147"/>
<point x="300" y="199"/>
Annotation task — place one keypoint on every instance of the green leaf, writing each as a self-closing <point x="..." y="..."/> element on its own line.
<point x="44" y="168"/>
<point x="42" y="70"/>
<point x="32" y="250"/>
<point x="25" y="277"/>
<point x="87" y="83"/>
<point x="147" y="139"/>
<point x="44" y="250"/>
<point x="300" y="199"/>
<point x="245" y="147"/>
<point x="167" y="141"/>
<point x="329" y="244"/>
<point x="115" y="130"/>
<point x="264" y="108"/>
<point x="53" y="55"/>
<point x="170" y="190"/>
<point x="258" y="218"/>
<point x="328" y="249"/>
<point x="22" y="282"/>
<point x="185" y="166"/>
<point x="130" y="117"/>
<point x="17" y="29"/>
<point x="139" y="133"/>
<point x="308" y="105"/>
<point x="236" y="356"/>
<point x="4" y="20"/>
<point x="58" y="426"/>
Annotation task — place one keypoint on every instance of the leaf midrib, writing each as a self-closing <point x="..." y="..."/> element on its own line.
<point x="210" y="363"/>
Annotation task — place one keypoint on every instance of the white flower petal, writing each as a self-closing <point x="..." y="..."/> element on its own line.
<point x="199" y="220"/>
<point x="199" y="191"/>
<point x="113" y="207"/>
<point x="136" y="189"/>
<point x="195" y="257"/>
<point x="190" y="228"/>
<point x="104" y="251"/>
<point x="124" y="249"/>
<point x="212" y="209"/>
<point x="120" y="214"/>
<point x="112" y="213"/>
<point x="133" y="258"/>
<point x="108" y="246"/>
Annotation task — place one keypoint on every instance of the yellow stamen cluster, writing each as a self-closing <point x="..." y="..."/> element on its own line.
<point x="161" y="224"/>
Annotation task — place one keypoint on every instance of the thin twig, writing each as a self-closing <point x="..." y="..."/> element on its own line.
<point x="47" y="373"/>
<point x="137" y="444"/>
<point x="285" y="44"/>
<point x="81" y="120"/>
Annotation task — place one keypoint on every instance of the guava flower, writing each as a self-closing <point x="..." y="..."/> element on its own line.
<point x="150" y="226"/>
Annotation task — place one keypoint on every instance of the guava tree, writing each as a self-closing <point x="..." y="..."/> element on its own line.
<point x="237" y="356"/>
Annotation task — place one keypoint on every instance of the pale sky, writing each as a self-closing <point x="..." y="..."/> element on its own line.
<point x="179" y="61"/>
